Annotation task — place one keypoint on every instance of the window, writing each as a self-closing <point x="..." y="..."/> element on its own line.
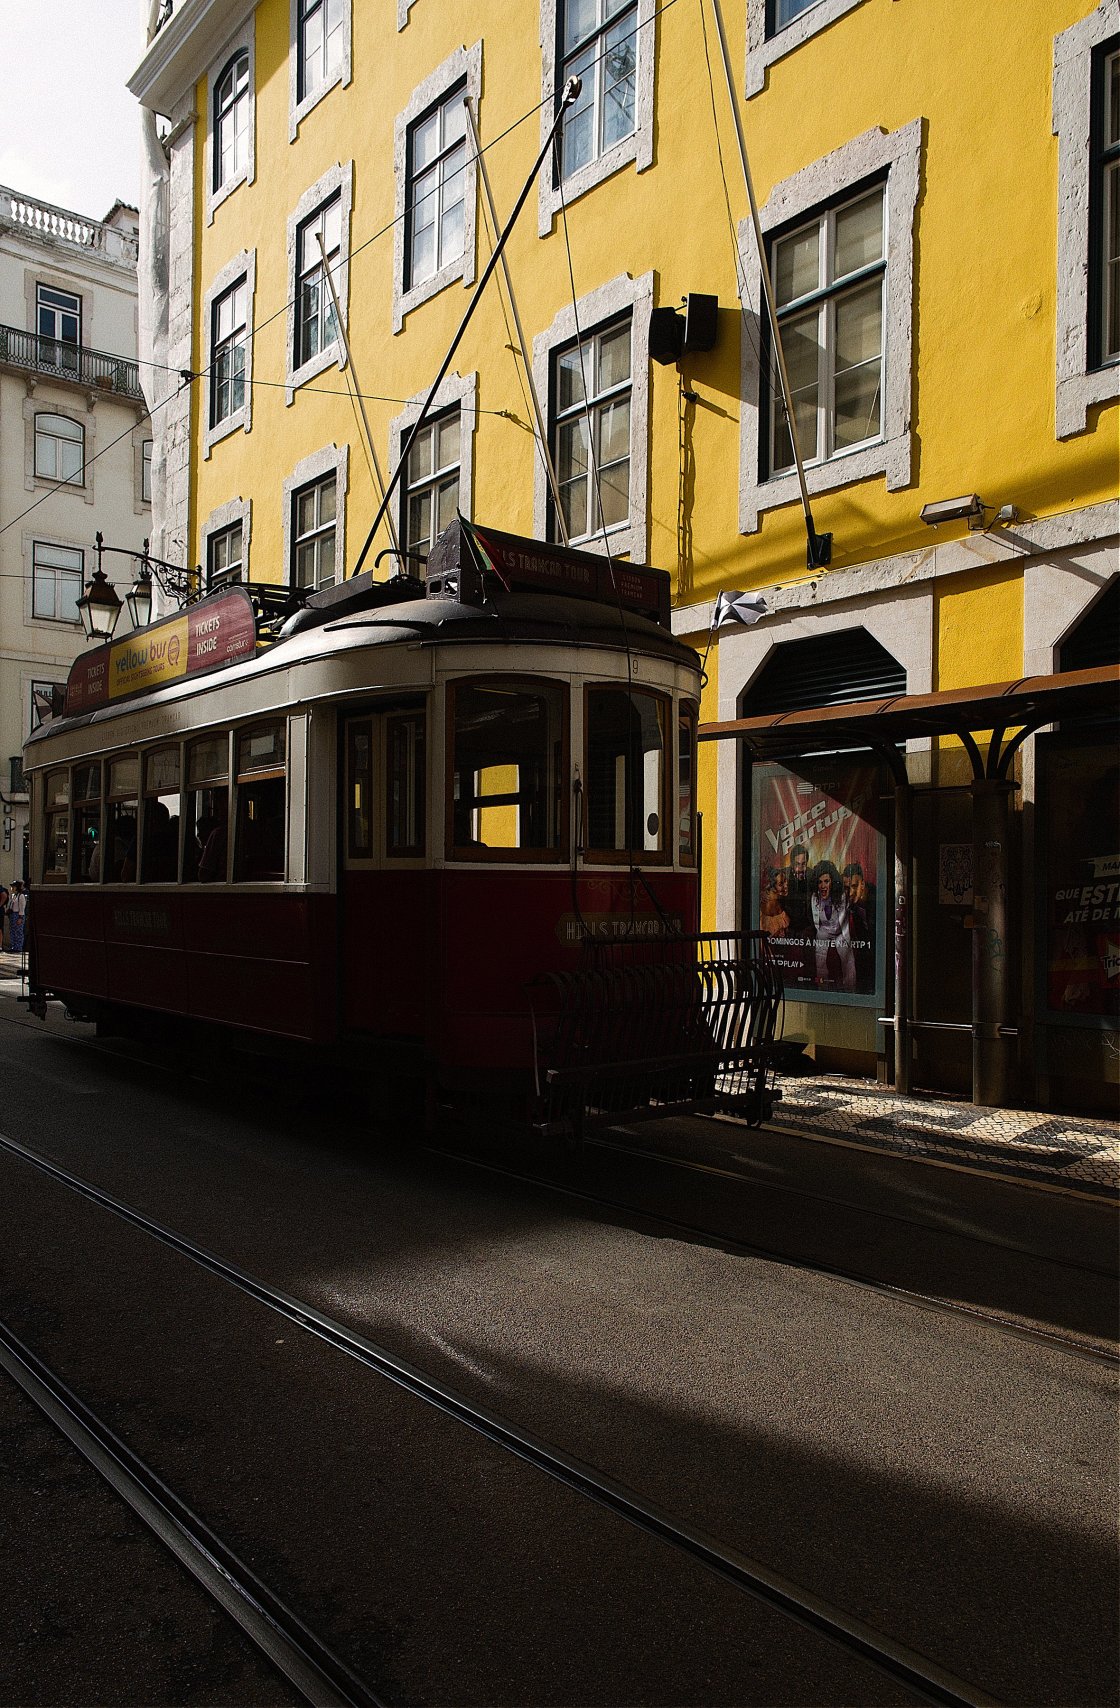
<point x="437" y="156"/>
<point x="206" y="811"/>
<point x="56" y="582"/>
<point x="431" y="485"/>
<point x="783" y="12"/>
<point x="828" y="284"/>
<point x="261" y="805"/>
<point x="508" y="774"/>
<point x="320" y="44"/>
<point x="316" y="326"/>
<point x="86" y="847"/>
<point x="404" y="784"/>
<point x="626" y="776"/>
<point x="120" y="831"/>
<point x="227" y="353"/>
<point x="56" y="829"/>
<point x="224" y="557"/>
<point x="686" y="783"/>
<point x="59" y="449"/>
<point x="231" y="121"/>
<point x="159" y="847"/>
<point x="598" y="45"/>
<point x="44" y="697"/>
<point x="1104" y="210"/>
<point x="58" y="318"/>
<point x="313" y="533"/>
<point x="146" y="470"/>
<point x="359" y="799"/>
<point x="590" y="395"/>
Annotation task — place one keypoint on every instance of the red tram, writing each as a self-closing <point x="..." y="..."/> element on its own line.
<point x="383" y="831"/>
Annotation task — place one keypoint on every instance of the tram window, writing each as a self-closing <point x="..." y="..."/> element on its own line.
<point x="359" y="800"/>
<point x="159" y="846"/>
<point x="625" y="772"/>
<point x="261" y="804"/>
<point x="404" y="784"/>
<point x="508" y="764"/>
<point x="56" y="837"/>
<point x="86" y="851"/>
<point x="686" y="784"/>
<point x="206" y="810"/>
<point x="120" y="831"/>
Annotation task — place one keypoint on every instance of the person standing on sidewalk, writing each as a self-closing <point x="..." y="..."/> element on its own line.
<point x="5" y="900"/>
<point x="17" y="916"/>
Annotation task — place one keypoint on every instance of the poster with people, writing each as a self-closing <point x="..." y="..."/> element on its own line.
<point x="1079" y="784"/>
<point x="818" y="876"/>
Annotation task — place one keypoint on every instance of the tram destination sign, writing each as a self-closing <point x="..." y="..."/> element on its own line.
<point x="522" y="563"/>
<point x="217" y="631"/>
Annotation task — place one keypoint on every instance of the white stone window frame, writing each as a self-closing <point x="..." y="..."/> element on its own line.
<point x="636" y="149"/>
<point x="36" y="537"/>
<point x="242" y="266"/>
<point x="85" y="418"/>
<point x="142" y="434"/>
<point x="342" y="74"/>
<point x="1077" y="387"/>
<point x="897" y="155"/>
<point x="764" y="49"/>
<point x="607" y="303"/>
<point x="404" y="7"/>
<point x="456" y="391"/>
<point x="462" y="66"/>
<point x="339" y="178"/>
<point x="245" y="41"/>
<point x="226" y="516"/>
<point x="331" y="459"/>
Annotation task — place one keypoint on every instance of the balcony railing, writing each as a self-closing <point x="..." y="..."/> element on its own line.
<point x="92" y="368"/>
<point x="60" y="225"/>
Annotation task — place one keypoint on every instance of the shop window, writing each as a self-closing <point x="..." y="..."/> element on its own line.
<point x="626" y="774"/>
<point x="262" y="792"/>
<point x="56" y="827"/>
<point x="206" y="811"/>
<point x="86" y="845"/>
<point x="159" y="849"/>
<point x="1079" y="795"/>
<point x="507" y="774"/>
<point x="404" y="784"/>
<point x="120" y="822"/>
<point x="686" y="784"/>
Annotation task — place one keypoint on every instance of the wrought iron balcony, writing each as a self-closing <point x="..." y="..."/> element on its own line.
<point x="94" y="369"/>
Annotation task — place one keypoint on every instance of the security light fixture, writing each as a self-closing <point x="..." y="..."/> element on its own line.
<point x="100" y="607"/>
<point x="968" y="509"/>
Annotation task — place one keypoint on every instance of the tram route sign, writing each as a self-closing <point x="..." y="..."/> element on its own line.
<point x="518" y="562"/>
<point x="207" y="636"/>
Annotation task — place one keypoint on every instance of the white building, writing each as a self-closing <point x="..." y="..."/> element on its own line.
<point x="75" y="453"/>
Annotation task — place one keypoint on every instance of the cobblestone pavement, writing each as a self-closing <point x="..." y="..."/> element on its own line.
<point x="1069" y="1151"/>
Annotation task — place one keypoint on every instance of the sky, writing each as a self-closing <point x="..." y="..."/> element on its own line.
<point x="69" y="129"/>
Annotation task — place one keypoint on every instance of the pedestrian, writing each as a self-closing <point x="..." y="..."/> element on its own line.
<point x="17" y="915"/>
<point x="5" y="899"/>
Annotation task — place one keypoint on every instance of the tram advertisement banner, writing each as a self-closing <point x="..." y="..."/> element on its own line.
<point x="215" y="632"/>
<point x="1080" y="789"/>
<point x="818" y="870"/>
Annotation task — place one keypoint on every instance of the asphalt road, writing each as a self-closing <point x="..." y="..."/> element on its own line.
<point x="947" y="1483"/>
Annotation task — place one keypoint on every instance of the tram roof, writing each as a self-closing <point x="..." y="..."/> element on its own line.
<point x="515" y="618"/>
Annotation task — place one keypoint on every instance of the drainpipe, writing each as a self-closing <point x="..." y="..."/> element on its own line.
<point x="992" y="1046"/>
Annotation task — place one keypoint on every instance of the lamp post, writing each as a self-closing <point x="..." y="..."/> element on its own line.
<point x="172" y="579"/>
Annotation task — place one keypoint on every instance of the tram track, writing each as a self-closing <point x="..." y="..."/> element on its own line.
<point x="928" y="1681"/>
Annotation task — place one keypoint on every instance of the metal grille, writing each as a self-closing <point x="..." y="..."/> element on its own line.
<point x="648" y="1028"/>
<point x="823" y="670"/>
<point x="74" y="362"/>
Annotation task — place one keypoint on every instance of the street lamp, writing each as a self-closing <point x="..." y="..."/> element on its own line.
<point x="139" y="600"/>
<point x="100" y="607"/>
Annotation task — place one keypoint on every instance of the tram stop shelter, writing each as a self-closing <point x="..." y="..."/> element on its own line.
<point x="991" y="724"/>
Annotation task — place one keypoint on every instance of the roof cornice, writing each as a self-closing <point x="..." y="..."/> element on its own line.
<point x="181" y="51"/>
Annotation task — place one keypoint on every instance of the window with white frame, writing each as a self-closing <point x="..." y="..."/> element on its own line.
<point x="232" y="120"/>
<point x="783" y="12"/>
<point x="1104" y="208"/>
<point x="56" y="578"/>
<point x="590" y="407"/>
<point x="224" y="557"/>
<point x="44" y="696"/>
<point x="430" y="493"/>
<point x="146" y="450"/>
<point x="320" y="44"/>
<point x="828" y="277"/>
<point x="59" y="449"/>
<point x="228" y="332"/>
<point x="436" y="188"/>
<point x="598" y="45"/>
<point x="314" y="513"/>
<point x="58" y="319"/>
<point x="316" y="326"/>
<point x="840" y="240"/>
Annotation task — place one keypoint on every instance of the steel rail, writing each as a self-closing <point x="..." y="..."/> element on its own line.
<point x="321" y="1678"/>
<point x="930" y="1682"/>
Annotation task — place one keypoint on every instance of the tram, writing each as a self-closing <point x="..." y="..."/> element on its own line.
<point x="415" y="830"/>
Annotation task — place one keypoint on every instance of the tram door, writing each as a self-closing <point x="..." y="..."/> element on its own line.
<point x="941" y="945"/>
<point x="386" y="914"/>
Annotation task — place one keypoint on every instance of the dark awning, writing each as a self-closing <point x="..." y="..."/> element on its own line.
<point x="1024" y="705"/>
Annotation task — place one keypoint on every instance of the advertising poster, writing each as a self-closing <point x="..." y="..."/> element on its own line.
<point x="818" y="873"/>
<point x="1081" y="897"/>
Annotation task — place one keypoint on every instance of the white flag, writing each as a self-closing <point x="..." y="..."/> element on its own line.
<point x="738" y="608"/>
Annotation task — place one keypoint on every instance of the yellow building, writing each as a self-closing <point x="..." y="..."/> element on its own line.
<point x="939" y="202"/>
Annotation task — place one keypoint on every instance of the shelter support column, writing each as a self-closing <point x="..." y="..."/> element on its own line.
<point x="901" y="934"/>
<point x="993" y="1052"/>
